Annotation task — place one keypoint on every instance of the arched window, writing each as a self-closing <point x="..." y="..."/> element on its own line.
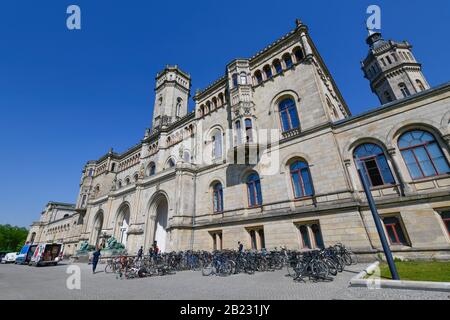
<point x="119" y="184"/>
<point x="113" y="167"/>
<point x="422" y="154"/>
<point x="248" y="130"/>
<point x="298" y="53"/>
<point x="254" y="190"/>
<point x="178" y="107"/>
<point x="267" y="71"/>
<point x="127" y="181"/>
<point x="186" y="156"/>
<point x="151" y="169"/>
<point x="218" y="197"/>
<point x="136" y="177"/>
<point x="387" y="96"/>
<point x="235" y="80"/>
<point x="258" y="77"/>
<point x="243" y="77"/>
<point x="404" y="90"/>
<point x="420" y="85"/>
<point x="238" y="136"/>
<point x="372" y="160"/>
<point x="277" y="66"/>
<point x="287" y="60"/>
<point x="288" y="114"/>
<point x="171" y="163"/>
<point x="301" y="179"/>
<point x="217" y="144"/>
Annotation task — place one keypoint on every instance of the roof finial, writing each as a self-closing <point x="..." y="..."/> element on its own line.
<point x="298" y="22"/>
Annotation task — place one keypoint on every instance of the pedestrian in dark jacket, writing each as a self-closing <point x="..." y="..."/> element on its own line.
<point x="95" y="257"/>
<point x="140" y="253"/>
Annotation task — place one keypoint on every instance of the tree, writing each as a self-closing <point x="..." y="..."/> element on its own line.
<point x="12" y="238"/>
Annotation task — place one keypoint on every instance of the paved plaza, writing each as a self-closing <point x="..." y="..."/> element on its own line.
<point x="24" y="282"/>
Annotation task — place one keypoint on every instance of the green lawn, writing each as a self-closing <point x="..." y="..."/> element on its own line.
<point x="419" y="271"/>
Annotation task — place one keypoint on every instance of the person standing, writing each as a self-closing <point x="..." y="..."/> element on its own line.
<point x="140" y="253"/>
<point x="240" y="247"/>
<point x="95" y="258"/>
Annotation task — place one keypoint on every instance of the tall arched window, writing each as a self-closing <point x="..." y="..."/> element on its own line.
<point x="288" y="114"/>
<point x="267" y="71"/>
<point x="238" y="136"/>
<point x="151" y="169"/>
<point x="277" y="66"/>
<point x="243" y="78"/>
<point x="218" y="197"/>
<point x="422" y="154"/>
<point x="420" y="85"/>
<point x="248" y="130"/>
<point x="254" y="190"/>
<point x="404" y="90"/>
<point x="217" y="144"/>
<point x="258" y="77"/>
<point x="287" y="60"/>
<point x="298" y="53"/>
<point x="178" y="107"/>
<point x="301" y="179"/>
<point x="387" y="96"/>
<point x="372" y="160"/>
<point x="171" y="163"/>
<point x="235" y="80"/>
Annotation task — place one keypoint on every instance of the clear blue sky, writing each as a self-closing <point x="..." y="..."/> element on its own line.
<point x="67" y="96"/>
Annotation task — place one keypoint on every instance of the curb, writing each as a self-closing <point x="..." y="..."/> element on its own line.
<point x="359" y="281"/>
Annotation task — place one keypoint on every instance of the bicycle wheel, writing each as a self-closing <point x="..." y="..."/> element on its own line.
<point x="208" y="269"/>
<point x="108" y="268"/>
<point x="333" y="269"/>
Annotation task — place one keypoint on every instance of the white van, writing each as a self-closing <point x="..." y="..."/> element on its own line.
<point x="46" y="254"/>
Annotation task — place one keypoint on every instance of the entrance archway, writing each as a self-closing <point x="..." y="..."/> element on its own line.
<point x="157" y="222"/>
<point x="97" y="228"/>
<point x="122" y="224"/>
<point x="160" y="234"/>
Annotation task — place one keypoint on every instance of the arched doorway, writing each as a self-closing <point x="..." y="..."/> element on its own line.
<point x="157" y="222"/>
<point x="160" y="234"/>
<point x="97" y="228"/>
<point x="122" y="224"/>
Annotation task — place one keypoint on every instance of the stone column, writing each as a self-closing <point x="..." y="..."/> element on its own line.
<point x="353" y="179"/>
<point x="399" y="171"/>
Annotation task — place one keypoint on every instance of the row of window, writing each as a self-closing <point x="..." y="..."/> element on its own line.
<point x="301" y="184"/>
<point x="420" y="151"/>
<point x="374" y="68"/>
<point x="404" y="90"/>
<point x="311" y="235"/>
<point x="422" y="155"/>
<point x="277" y="66"/>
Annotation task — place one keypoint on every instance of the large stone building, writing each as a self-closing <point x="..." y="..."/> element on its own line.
<point x="269" y="157"/>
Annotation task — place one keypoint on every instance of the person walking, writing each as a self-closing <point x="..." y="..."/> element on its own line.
<point x="140" y="253"/>
<point x="95" y="257"/>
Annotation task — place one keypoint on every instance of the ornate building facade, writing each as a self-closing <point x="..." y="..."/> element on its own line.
<point x="269" y="157"/>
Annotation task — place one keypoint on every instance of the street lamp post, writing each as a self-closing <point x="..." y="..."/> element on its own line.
<point x="376" y="218"/>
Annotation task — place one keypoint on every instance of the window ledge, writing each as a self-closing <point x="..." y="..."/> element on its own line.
<point x="438" y="177"/>
<point x="385" y="186"/>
